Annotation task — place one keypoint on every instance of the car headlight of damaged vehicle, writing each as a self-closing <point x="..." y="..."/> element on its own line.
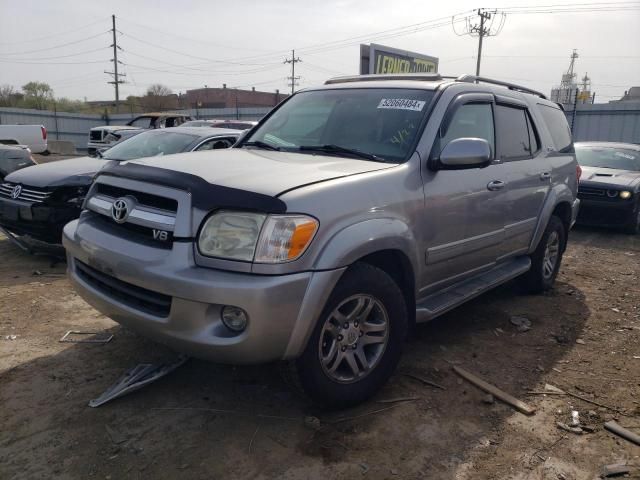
<point x="625" y="194"/>
<point x="256" y="237"/>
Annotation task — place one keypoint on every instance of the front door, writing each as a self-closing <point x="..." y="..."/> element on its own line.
<point x="464" y="209"/>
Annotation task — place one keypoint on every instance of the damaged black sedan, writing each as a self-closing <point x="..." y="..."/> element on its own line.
<point x="609" y="188"/>
<point x="38" y="201"/>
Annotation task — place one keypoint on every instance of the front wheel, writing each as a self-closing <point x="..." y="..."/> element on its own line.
<point x="357" y="342"/>
<point x="546" y="259"/>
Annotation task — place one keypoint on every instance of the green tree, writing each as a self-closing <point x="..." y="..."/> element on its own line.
<point x="37" y="95"/>
<point x="9" y="97"/>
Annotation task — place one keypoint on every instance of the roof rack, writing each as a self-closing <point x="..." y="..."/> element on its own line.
<point x="510" y="86"/>
<point x="430" y="77"/>
<point x="426" y="77"/>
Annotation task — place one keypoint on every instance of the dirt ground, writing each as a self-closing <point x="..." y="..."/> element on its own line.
<point x="208" y="421"/>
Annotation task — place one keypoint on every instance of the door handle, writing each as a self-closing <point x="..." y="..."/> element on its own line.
<point x="545" y="176"/>
<point x="495" y="185"/>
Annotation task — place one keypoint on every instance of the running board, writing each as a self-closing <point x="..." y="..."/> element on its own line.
<point x="441" y="302"/>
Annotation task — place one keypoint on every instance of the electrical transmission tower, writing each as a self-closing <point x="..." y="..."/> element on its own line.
<point x="116" y="76"/>
<point x="490" y="24"/>
<point x="293" y="78"/>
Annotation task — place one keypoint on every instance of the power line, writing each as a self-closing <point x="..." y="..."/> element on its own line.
<point x="485" y="28"/>
<point x="293" y="77"/>
<point x="59" y="56"/>
<point x="53" y="35"/>
<point x="56" y="46"/>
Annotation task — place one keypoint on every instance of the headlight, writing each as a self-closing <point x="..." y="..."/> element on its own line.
<point x="256" y="237"/>
<point x="625" y="194"/>
<point x="285" y="237"/>
<point x="231" y="235"/>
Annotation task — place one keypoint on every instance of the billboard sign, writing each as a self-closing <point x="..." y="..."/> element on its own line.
<point x="380" y="59"/>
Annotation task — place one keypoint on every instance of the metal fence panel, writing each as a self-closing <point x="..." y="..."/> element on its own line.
<point x="74" y="127"/>
<point x="609" y="122"/>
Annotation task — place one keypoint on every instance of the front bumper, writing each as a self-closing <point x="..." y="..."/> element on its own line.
<point x="282" y="309"/>
<point x="607" y="213"/>
<point x="39" y="220"/>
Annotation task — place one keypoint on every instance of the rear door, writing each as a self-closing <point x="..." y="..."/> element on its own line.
<point x="527" y="173"/>
<point x="464" y="209"/>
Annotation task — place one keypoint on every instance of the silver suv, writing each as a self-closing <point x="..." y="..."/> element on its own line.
<point x="351" y="212"/>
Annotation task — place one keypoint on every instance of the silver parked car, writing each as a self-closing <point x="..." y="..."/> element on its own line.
<point x="351" y="212"/>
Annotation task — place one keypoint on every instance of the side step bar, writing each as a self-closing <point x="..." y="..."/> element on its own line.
<point x="441" y="302"/>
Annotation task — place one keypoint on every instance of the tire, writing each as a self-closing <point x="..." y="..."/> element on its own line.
<point x="365" y="295"/>
<point x="633" y="227"/>
<point x="542" y="274"/>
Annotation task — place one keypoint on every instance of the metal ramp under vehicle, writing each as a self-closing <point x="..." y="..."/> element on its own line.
<point x="441" y="302"/>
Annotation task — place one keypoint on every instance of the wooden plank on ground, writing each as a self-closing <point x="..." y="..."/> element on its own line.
<point x="495" y="391"/>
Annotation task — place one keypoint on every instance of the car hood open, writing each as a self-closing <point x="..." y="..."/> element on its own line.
<point x="260" y="171"/>
<point x="73" y="172"/>
<point x="610" y="177"/>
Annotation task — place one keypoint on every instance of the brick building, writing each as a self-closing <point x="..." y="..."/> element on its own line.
<point x="230" y="98"/>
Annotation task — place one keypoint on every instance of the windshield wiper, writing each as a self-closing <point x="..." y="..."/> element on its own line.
<point x="260" y="144"/>
<point x="344" y="150"/>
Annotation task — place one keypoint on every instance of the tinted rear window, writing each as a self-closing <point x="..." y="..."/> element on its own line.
<point x="558" y="128"/>
<point x="513" y="133"/>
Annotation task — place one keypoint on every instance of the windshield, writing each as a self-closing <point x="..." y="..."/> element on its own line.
<point x="150" y="144"/>
<point x="608" y="157"/>
<point x="379" y="122"/>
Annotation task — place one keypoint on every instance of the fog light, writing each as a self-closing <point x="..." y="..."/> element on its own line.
<point x="234" y="318"/>
<point x="625" y="194"/>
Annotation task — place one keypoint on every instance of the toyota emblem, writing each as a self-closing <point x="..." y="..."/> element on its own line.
<point x="120" y="210"/>
<point x="17" y="190"/>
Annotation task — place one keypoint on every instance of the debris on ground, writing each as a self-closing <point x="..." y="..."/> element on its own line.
<point x="567" y="428"/>
<point x="614" y="470"/>
<point x="136" y="378"/>
<point x="488" y="399"/>
<point x="424" y="381"/>
<point x="496" y="392"/>
<point x="575" y="418"/>
<point x="579" y="341"/>
<point x="313" y="423"/>
<point x="11" y="337"/>
<point x="74" y="336"/>
<point x="399" y="399"/>
<point x="522" y="324"/>
<point x="613" y="427"/>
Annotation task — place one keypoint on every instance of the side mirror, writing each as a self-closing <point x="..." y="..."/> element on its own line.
<point x="465" y="153"/>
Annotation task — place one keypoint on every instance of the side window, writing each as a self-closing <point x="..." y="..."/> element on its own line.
<point x="216" y="143"/>
<point x="473" y="120"/>
<point x="558" y="128"/>
<point x="533" y="135"/>
<point x="512" y="133"/>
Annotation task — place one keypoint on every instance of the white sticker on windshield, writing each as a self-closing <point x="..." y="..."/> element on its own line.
<point x="402" y="104"/>
<point x="625" y="155"/>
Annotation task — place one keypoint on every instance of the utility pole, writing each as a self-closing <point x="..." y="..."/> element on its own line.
<point x="482" y="32"/>
<point x="293" y="77"/>
<point x="116" y="76"/>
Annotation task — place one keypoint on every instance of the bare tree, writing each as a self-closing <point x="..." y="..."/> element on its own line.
<point x="37" y="94"/>
<point x="158" y="90"/>
<point x="158" y="97"/>
<point x="8" y="96"/>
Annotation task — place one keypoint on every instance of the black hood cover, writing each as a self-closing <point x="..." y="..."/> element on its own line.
<point x="204" y="195"/>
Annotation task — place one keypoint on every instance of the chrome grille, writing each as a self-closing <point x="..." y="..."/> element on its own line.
<point x="596" y="192"/>
<point x="28" y="194"/>
<point x="147" y="210"/>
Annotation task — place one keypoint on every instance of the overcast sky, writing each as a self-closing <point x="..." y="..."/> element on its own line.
<point x="191" y="43"/>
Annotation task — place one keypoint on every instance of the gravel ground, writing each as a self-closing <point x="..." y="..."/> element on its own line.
<point x="211" y="421"/>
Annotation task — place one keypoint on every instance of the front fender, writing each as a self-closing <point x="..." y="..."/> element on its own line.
<point x="367" y="237"/>
<point x="558" y="194"/>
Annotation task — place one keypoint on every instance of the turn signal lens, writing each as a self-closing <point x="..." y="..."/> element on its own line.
<point x="285" y="238"/>
<point x="625" y="194"/>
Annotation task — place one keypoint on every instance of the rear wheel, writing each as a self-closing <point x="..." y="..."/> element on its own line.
<point x="546" y="259"/>
<point x="357" y="342"/>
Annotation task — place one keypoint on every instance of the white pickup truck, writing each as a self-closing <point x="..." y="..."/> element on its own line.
<point x="32" y="136"/>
